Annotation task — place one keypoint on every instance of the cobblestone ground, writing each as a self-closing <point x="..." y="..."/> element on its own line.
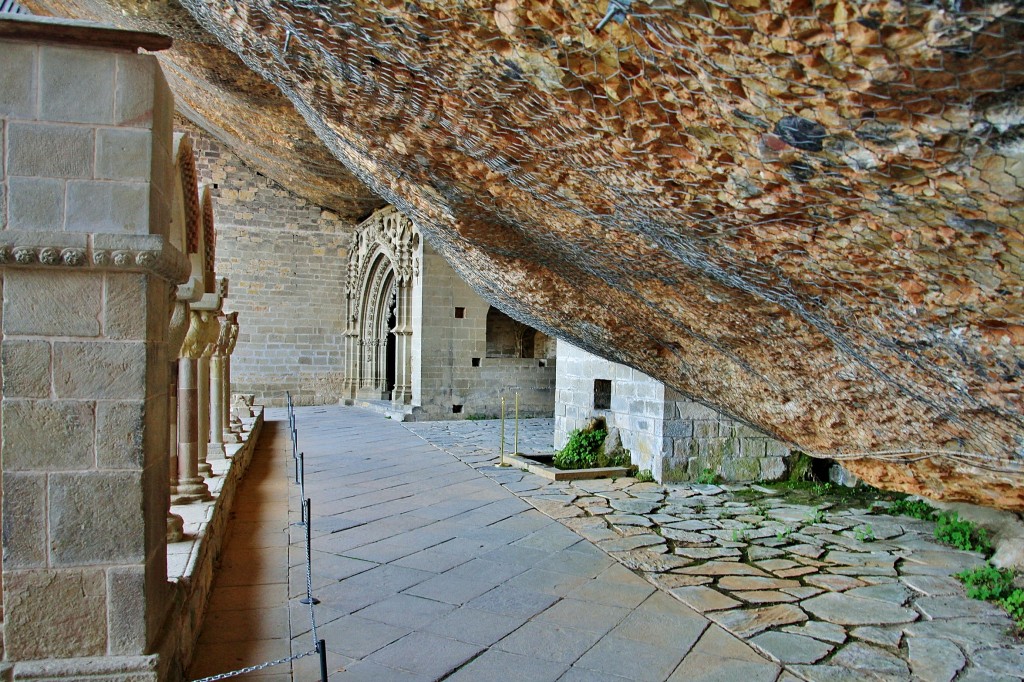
<point x="832" y="591"/>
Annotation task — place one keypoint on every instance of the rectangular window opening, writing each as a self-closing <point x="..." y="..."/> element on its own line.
<point x="476" y="362"/>
<point x="542" y="363"/>
<point x="460" y="313"/>
<point x="456" y="409"/>
<point x="602" y="394"/>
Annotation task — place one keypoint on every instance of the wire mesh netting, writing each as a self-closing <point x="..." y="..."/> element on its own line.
<point x="806" y="212"/>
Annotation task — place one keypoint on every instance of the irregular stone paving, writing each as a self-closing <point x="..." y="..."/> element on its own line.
<point x="831" y="593"/>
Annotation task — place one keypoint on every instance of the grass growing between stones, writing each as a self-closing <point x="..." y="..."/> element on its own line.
<point x="986" y="583"/>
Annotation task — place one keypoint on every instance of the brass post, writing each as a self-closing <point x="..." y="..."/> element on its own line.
<point x="502" y="463"/>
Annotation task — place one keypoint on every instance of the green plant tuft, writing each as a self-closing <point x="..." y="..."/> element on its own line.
<point x="644" y="476"/>
<point x="1014" y="605"/>
<point x="961" y="533"/>
<point x="583" y="451"/>
<point x="864" y="533"/>
<point x="987" y="582"/>
<point x="918" y="509"/>
<point x="707" y="477"/>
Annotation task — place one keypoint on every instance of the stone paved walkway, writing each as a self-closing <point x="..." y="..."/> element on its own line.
<point x="435" y="567"/>
<point x="833" y="593"/>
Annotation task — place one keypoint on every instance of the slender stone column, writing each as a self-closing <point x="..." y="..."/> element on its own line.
<point x="231" y="433"/>
<point x="215" y="450"/>
<point x="403" y="344"/>
<point x="203" y="412"/>
<point x="191" y="487"/>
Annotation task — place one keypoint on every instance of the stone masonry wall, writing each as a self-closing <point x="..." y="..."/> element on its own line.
<point x="285" y="261"/>
<point x="678" y="439"/>
<point x="83" y="421"/>
<point x="451" y="370"/>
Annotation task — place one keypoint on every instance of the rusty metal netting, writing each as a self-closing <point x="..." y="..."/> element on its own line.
<point x="837" y="180"/>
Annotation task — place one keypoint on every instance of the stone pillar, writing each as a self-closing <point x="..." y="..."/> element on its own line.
<point x="403" y="344"/>
<point x="203" y="412"/>
<point x="191" y="487"/>
<point x="215" y="450"/>
<point x="232" y="433"/>
<point x="87" y="274"/>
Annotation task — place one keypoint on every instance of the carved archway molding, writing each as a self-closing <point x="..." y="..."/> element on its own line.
<point x="381" y="269"/>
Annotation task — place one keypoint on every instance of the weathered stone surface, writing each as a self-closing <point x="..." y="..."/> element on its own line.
<point x="885" y="637"/>
<point x="871" y="660"/>
<point x="934" y="660"/>
<point x="111" y="371"/>
<point x="843" y="610"/>
<point x="26" y="369"/>
<point x="828" y="632"/>
<point x="80" y="533"/>
<point x="58" y="614"/>
<point x="1003" y="661"/>
<point x="790" y="648"/>
<point x="24" y="519"/>
<point x="48" y="435"/>
<point x="707" y="552"/>
<point x="119" y="431"/>
<point x="749" y="622"/>
<point x="705" y="599"/>
<point x="755" y="583"/>
<point x="634" y="542"/>
<point x="126" y="589"/>
<point x="39" y="304"/>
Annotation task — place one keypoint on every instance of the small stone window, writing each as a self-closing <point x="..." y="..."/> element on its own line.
<point x="476" y="362"/>
<point x="460" y="313"/>
<point x="602" y="394"/>
<point x="456" y="409"/>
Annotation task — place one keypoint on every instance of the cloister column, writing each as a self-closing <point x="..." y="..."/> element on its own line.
<point x="87" y="275"/>
<point x="403" y="343"/>
<point x="191" y="486"/>
<point x="232" y="433"/>
<point x="215" y="450"/>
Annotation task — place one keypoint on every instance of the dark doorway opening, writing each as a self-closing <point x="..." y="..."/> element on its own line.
<point x="391" y="363"/>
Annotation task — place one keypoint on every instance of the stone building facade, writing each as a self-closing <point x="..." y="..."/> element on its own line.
<point x="285" y="259"/>
<point x="419" y="337"/>
<point x="676" y="438"/>
<point x="115" y="416"/>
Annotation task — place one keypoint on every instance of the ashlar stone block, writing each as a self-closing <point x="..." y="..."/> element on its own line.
<point x="18" y="80"/>
<point x="49" y="150"/>
<point x="44" y="435"/>
<point x="108" y="207"/>
<point x="126" y="610"/>
<point x="54" y="614"/>
<point x="123" y="154"/>
<point x="37" y="303"/>
<point x="103" y="371"/>
<point x="133" y="102"/>
<point x="26" y="369"/>
<point x="124" y="311"/>
<point x="84" y="530"/>
<point x="36" y="204"/>
<point x="76" y="86"/>
<point x="24" y="532"/>
<point x="119" y="434"/>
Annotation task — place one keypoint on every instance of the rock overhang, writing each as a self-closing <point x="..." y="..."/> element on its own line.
<point x="807" y="214"/>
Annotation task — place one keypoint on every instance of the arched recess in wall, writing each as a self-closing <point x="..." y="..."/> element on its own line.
<point x="378" y="336"/>
<point x="509" y="338"/>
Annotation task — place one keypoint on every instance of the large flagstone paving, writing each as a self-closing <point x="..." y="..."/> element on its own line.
<point x="431" y="563"/>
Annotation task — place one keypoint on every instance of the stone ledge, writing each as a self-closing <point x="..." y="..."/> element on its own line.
<point x="146" y="253"/>
<point x="84" y="33"/>
<point x="190" y="564"/>
<point x="553" y="474"/>
<point x="95" y="669"/>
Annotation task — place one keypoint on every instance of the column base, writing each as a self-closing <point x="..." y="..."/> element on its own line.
<point x="215" y="451"/>
<point x="205" y="470"/>
<point x="191" y="490"/>
<point x="175" y="528"/>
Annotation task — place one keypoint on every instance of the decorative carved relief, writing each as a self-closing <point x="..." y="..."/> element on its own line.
<point x="166" y="262"/>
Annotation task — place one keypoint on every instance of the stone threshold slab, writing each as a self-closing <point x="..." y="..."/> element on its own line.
<point x="552" y="474"/>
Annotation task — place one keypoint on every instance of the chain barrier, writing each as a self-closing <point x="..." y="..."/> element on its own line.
<point x="319" y="646"/>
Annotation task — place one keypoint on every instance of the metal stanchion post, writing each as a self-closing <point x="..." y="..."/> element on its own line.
<point x="502" y="461"/>
<point x="321" y="648"/>
<point x="307" y="510"/>
<point x="297" y="460"/>
<point x="515" y="441"/>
